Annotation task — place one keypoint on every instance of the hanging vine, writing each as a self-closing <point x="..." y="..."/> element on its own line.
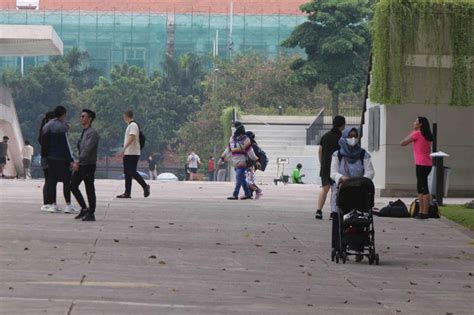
<point x="403" y="29"/>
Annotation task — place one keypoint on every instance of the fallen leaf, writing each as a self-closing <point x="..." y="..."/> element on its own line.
<point x="258" y="245"/>
<point x="413" y="283"/>
<point x="10" y="288"/>
<point x="162" y="262"/>
<point x="130" y="226"/>
<point x="345" y="302"/>
<point x="257" y="281"/>
<point x="157" y="227"/>
<point x="310" y="304"/>
<point x="309" y="274"/>
<point x="116" y="241"/>
<point x="466" y="286"/>
<point x="152" y="257"/>
<point x="244" y="291"/>
<point x="26" y="248"/>
<point x="171" y="223"/>
<point x="273" y="252"/>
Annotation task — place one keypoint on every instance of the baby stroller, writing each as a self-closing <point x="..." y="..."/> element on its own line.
<point x="355" y="200"/>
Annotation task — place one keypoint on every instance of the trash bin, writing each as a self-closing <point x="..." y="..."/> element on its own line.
<point x="432" y="180"/>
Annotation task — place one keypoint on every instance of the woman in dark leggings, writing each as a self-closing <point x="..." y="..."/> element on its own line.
<point x="421" y="138"/>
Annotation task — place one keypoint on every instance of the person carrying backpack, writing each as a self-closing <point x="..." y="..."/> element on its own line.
<point x="240" y="150"/>
<point x="131" y="155"/>
<point x="252" y="168"/>
<point x="349" y="161"/>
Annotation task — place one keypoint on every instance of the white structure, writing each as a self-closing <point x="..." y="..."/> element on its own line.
<point x="21" y="40"/>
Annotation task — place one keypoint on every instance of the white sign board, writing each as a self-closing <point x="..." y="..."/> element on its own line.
<point x="27" y="4"/>
<point x="283" y="161"/>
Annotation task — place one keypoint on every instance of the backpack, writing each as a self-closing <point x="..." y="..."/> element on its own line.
<point x="141" y="136"/>
<point x="433" y="211"/>
<point x="396" y="209"/>
<point x="262" y="158"/>
<point x="414" y="208"/>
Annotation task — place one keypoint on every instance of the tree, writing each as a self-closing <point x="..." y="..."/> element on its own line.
<point x="38" y="92"/>
<point x="254" y="84"/>
<point x="159" y="113"/>
<point x="336" y="39"/>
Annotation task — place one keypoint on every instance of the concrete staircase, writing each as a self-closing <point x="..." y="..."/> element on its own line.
<point x="284" y="137"/>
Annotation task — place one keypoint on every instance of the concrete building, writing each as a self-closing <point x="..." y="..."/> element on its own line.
<point x="426" y="80"/>
<point x="142" y="32"/>
<point x="21" y="40"/>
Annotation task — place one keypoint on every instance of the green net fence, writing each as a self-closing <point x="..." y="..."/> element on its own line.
<point x="144" y="39"/>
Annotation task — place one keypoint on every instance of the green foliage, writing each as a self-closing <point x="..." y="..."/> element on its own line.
<point x="253" y="84"/>
<point x="161" y="104"/>
<point x="38" y="92"/>
<point x="159" y="112"/>
<point x="406" y="28"/>
<point x="336" y="39"/>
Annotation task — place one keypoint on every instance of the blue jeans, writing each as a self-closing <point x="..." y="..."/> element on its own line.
<point x="240" y="181"/>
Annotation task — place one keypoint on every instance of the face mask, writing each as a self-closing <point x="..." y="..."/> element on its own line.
<point x="352" y="141"/>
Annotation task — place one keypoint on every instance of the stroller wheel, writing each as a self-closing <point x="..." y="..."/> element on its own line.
<point x="371" y="258"/>
<point x="377" y="259"/>
<point x="337" y="257"/>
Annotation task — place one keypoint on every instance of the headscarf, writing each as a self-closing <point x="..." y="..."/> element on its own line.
<point x="352" y="154"/>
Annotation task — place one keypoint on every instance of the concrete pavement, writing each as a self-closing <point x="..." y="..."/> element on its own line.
<point x="187" y="250"/>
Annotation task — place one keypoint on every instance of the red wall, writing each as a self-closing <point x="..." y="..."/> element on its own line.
<point x="179" y="6"/>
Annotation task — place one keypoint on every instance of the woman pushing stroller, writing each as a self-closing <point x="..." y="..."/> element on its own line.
<point x="347" y="162"/>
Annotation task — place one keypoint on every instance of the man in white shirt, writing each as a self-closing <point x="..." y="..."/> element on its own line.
<point x="27" y="153"/>
<point x="131" y="155"/>
<point x="193" y="163"/>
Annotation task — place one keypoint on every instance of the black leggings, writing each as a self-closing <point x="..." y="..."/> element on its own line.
<point x="422" y="173"/>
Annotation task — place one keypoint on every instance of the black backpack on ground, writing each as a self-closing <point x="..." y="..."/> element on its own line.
<point x="141" y="136"/>
<point x="395" y="209"/>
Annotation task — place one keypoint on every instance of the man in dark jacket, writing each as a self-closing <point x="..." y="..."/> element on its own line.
<point x="327" y="145"/>
<point x="85" y="165"/>
<point x="59" y="158"/>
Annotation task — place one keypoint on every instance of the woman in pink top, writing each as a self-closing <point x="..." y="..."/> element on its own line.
<point x="421" y="138"/>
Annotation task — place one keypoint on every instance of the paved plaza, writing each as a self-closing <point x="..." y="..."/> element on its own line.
<point x="188" y="250"/>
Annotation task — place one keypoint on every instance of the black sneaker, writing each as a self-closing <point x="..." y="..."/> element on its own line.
<point x="89" y="217"/>
<point x="246" y="197"/>
<point x="232" y="198"/>
<point x="319" y="215"/>
<point x="82" y="214"/>
<point x="422" y="216"/>
<point x="124" y="195"/>
<point x="146" y="191"/>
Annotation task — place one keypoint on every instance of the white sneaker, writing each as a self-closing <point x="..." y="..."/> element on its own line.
<point x="45" y="208"/>
<point x="53" y="208"/>
<point x="70" y="209"/>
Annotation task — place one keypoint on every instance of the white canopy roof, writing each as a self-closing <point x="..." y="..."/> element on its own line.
<point x="29" y="40"/>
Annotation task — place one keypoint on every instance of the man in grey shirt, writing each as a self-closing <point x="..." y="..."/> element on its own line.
<point x="85" y="165"/>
